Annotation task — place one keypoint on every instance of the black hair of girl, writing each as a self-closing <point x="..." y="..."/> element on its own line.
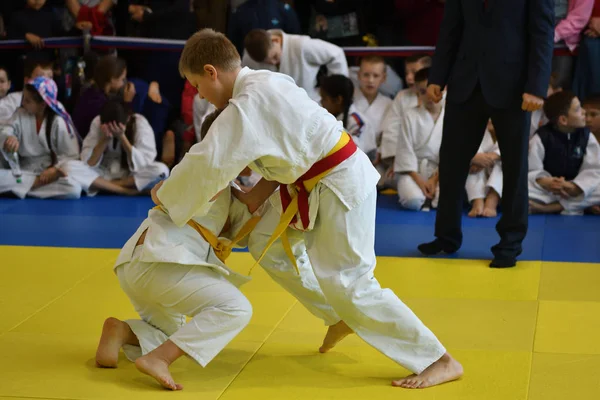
<point x="340" y="85"/>
<point x="115" y="111"/>
<point x="49" y="116"/>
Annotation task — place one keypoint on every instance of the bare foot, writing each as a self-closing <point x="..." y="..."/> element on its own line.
<point x="489" y="212"/>
<point x="476" y="208"/>
<point x="334" y="335"/>
<point x="446" y="369"/>
<point x="154" y="92"/>
<point x="491" y="204"/>
<point x="158" y="369"/>
<point x="115" y="333"/>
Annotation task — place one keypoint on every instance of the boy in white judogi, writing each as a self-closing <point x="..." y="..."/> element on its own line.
<point x="277" y="130"/>
<point x="118" y="154"/>
<point x="418" y="151"/>
<point x="196" y="274"/>
<point x="564" y="160"/>
<point x="297" y="56"/>
<point x="484" y="183"/>
<point x="41" y="136"/>
<point x="367" y="98"/>
<point x="392" y="124"/>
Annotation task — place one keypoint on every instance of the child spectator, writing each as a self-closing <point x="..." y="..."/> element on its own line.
<point x="484" y="183"/>
<point x="118" y="154"/>
<point x="392" y="123"/>
<point x="295" y="55"/>
<point x="337" y="92"/>
<point x="564" y="160"/>
<point x="41" y="136"/>
<point x="418" y="150"/>
<point x="367" y="98"/>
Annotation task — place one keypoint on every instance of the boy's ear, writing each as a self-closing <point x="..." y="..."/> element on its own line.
<point x="211" y="71"/>
<point x="562" y="120"/>
<point x="338" y="100"/>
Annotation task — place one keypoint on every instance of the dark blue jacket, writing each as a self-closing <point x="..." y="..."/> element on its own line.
<point x="260" y="14"/>
<point x="507" y="48"/>
<point x="563" y="153"/>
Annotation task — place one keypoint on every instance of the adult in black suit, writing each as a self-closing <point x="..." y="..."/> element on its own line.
<point x="495" y="57"/>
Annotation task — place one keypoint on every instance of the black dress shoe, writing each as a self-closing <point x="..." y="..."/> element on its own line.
<point x="436" y="247"/>
<point x="503" y="263"/>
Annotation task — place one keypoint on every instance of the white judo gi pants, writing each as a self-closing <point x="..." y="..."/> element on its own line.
<point x="145" y="178"/>
<point x="572" y="206"/>
<point x="341" y="251"/>
<point x="410" y="195"/>
<point x="479" y="184"/>
<point x="63" y="188"/>
<point x="164" y="294"/>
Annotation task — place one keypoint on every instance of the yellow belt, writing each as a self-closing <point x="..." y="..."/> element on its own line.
<point x="221" y="248"/>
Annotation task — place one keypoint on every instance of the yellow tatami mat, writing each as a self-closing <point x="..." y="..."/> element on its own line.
<point x="524" y="333"/>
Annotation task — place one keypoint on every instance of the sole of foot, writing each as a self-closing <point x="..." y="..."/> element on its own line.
<point x="446" y="369"/>
<point x="157" y="369"/>
<point x="114" y="333"/>
<point x="334" y="335"/>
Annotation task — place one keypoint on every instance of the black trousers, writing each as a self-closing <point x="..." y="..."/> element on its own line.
<point x="464" y="127"/>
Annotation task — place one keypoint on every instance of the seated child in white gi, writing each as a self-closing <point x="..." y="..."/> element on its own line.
<point x="298" y="56"/>
<point x="118" y="154"/>
<point x="484" y="183"/>
<point x="367" y="98"/>
<point x="41" y="138"/>
<point x="564" y="160"/>
<point x="418" y="150"/>
<point x="337" y="92"/>
<point x="392" y="123"/>
<point x="170" y="273"/>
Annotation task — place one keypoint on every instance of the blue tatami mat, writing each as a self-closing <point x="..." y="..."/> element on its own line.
<point x="108" y="221"/>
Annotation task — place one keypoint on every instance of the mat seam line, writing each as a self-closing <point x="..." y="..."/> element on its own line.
<point x="54" y="300"/>
<point x="33" y="397"/>
<point x="257" y="350"/>
<point x="537" y="314"/>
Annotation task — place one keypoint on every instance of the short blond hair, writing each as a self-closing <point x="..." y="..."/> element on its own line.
<point x="208" y="47"/>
